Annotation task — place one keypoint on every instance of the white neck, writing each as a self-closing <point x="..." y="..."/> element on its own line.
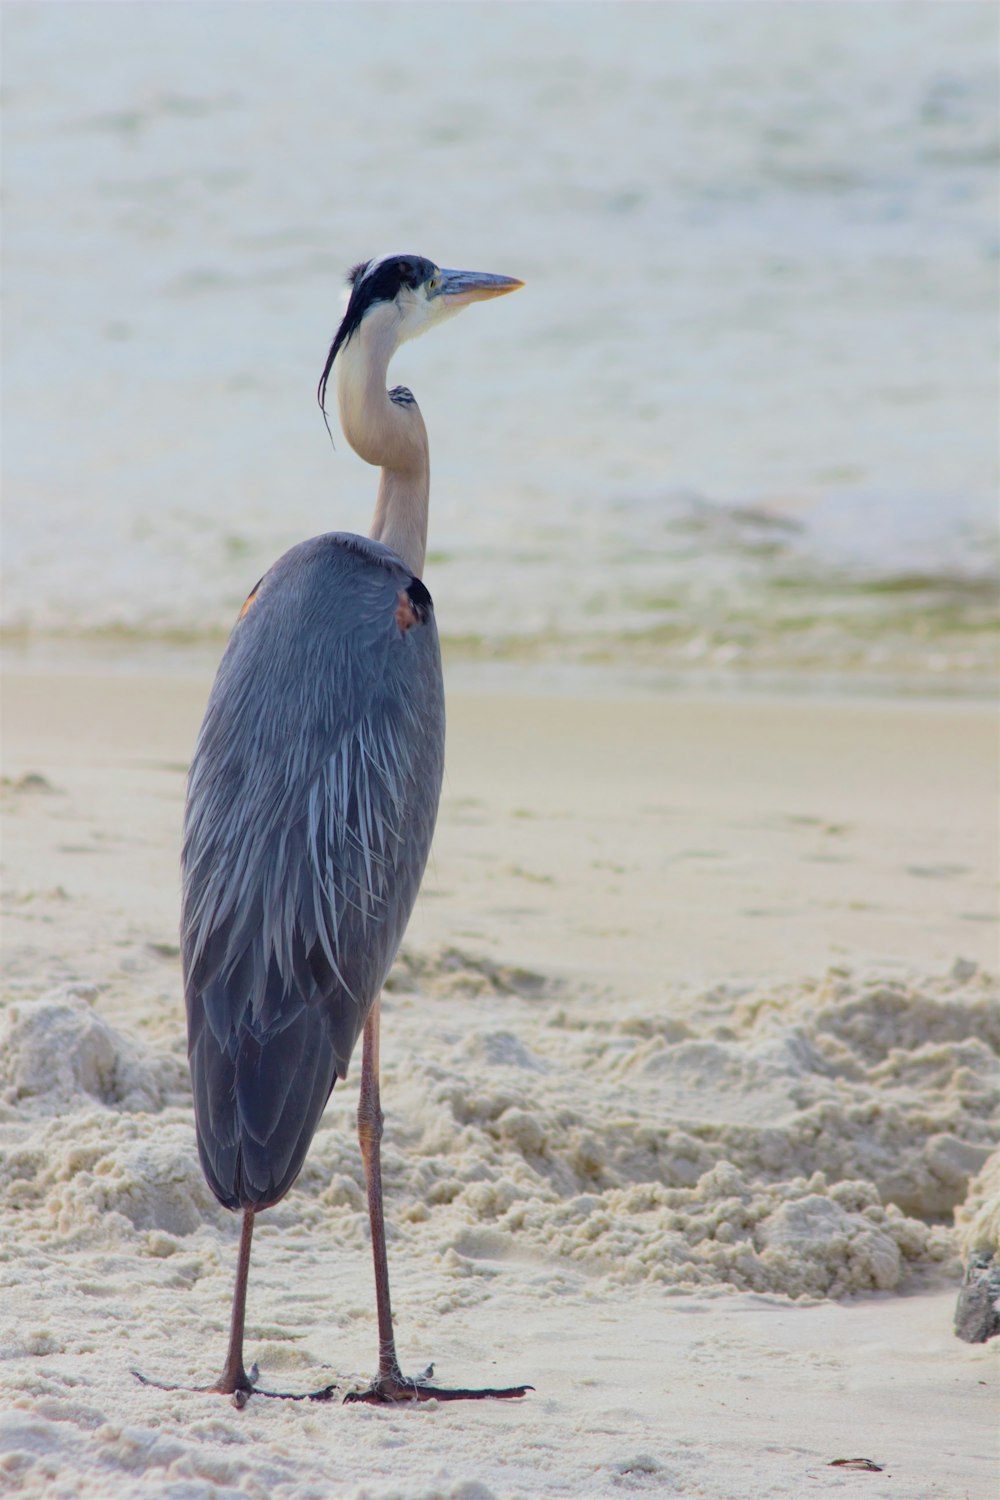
<point x="384" y="433"/>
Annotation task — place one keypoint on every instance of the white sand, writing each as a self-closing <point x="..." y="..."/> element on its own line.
<point x="679" y="1035"/>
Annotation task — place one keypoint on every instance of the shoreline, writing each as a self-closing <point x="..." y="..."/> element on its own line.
<point x="472" y="673"/>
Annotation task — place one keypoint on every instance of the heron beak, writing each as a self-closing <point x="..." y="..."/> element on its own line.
<point x="459" y="288"/>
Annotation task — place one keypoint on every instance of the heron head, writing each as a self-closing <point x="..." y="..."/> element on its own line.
<point x="410" y="294"/>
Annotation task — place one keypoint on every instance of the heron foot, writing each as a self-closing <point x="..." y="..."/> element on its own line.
<point x="240" y="1387"/>
<point x="390" y="1387"/>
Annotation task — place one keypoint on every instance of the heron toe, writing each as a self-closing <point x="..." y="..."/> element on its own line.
<point x="387" y="1390"/>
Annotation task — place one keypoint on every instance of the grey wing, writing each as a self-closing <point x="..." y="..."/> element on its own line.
<point x="311" y="806"/>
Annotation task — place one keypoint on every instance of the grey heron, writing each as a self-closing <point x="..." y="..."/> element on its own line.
<point x="312" y="799"/>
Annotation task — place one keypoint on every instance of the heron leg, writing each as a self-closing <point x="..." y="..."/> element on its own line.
<point x="370" y="1119"/>
<point x="390" y="1384"/>
<point x="234" y="1379"/>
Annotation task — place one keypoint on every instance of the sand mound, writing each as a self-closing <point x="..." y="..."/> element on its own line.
<point x="57" y="1054"/>
<point x="102" y="1176"/>
<point x="978" y="1218"/>
<point x="98" y="1140"/>
<point x="806" y="1140"/>
<point x="452" y="972"/>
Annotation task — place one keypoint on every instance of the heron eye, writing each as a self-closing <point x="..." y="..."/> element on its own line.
<point x="433" y="282"/>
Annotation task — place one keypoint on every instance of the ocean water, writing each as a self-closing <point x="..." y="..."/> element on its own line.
<point x="740" y="422"/>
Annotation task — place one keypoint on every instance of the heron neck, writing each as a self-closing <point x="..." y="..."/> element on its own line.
<point x="387" y="433"/>
<point x="400" y="519"/>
